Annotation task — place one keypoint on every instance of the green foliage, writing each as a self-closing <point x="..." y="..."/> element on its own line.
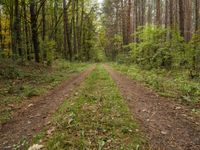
<point x="10" y="72"/>
<point x="48" y="49"/>
<point x="157" y="48"/>
<point x="193" y="54"/>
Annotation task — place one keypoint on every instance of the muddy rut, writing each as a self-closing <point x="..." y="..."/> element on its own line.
<point x="167" y="125"/>
<point x="33" y="117"/>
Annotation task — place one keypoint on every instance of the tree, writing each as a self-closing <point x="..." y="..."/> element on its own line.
<point x="197" y="19"/>
<point x="1" y="36"/>
<point x="181" y="18"/>
<point x="34" y="30"/>
<point x="188" y="20"/>
<point x="17" y="49"/>
<point x="158" y="13"/>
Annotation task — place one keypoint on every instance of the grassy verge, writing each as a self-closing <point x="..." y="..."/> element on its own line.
<point x="96" y="117"/>
<point x="21" y="82"/>
<point x="167" y="83"/>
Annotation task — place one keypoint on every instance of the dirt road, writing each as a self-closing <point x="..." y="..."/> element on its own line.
<point x="168" y="125"/>
<point x="33" y="117"/>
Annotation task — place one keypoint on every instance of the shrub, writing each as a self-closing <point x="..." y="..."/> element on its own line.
<point x="156" y="50"/>
<point x="10" y="72"/>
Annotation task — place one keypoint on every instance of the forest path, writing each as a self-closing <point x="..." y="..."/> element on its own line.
<point x="167" y="125"/>
<point x="33" y="117"/>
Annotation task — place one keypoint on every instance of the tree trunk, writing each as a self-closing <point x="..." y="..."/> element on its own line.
<point x="67" y="41"/>
<point x="74" y="26"/>
<point x="26" y="30"/>
<point x="149" y="15"/>
<point x="197" y="21"/>
<point x="80" y="34"/>
<point x="158" y="13"/>
<point x="171" y="18"/>
<point x="129" y="22"/>
<point x="188" y="20"/>
<point x="166" y="13"/>
<point x="35" y="39"/>
<point x="16" y="30"/>
<point x="181" y="18"/>
<point x="1" y="35"/>
<point x="77" y="26"/>
<point x="65" y="27"/>
<point x="43" y="2"/>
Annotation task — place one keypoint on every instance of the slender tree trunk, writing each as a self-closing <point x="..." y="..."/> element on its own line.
<point x="171" y="18"/>
<point x="136" y="19"/>
<point x="129" y="22"/>
<point x="67" y="41"/>
<point x="166" y="13"/>
<point x="77" y="26"/>
<point x="181" y="17"/>
<point x="26" y="30"/>
<point x="1" y="35"/>
<point x="197" y="19"/>
<point x="16" y="30"/>
<point x="65" y="26"/>
<point x="35" y="39"/>
<point x="188" y="20"/>
<point x="43" y="2"/>
<point x="123" y="23"/>
<point x="143" y="10"/>
<point x="80" y="37"/>
<point x="149" y="14"/>
<point x="158" y="13"/>
<point x="74" y="26"/>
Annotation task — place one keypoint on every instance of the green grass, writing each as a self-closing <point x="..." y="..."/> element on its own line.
<point x="96" y="117"/>
<point x="174" y="84"/>
<point x="22" y="82"/>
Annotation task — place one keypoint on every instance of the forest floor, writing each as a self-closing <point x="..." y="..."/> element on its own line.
<point x="95" y="116"/>
<point x="33" y="115"/>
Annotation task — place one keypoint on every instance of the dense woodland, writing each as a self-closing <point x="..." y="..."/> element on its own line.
<point x="105" y="67"/>
<point x="150" y="33"/>
<point x="153" y="33"/>
<point x="43" y="30"/>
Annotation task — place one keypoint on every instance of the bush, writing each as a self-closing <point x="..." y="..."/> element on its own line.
<point x="155" y="50"/>
<point x="193" y="54"/>
<point x="48" y="49"/>
<point x="10" y="72"/>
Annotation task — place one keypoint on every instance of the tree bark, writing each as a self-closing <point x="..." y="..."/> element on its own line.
<point x="181" y="18"/>
<point x="34" y="30"/>
<point x="67" y="41"/>
<point x="16" y="30"/>
<point x="26" y="30"/>
<point x="197" y="21"/>
<point x="43" y="2"/>
<point x="158" y="13"/>
<point x="1" y="35"/>
<point x="188" y="20"/>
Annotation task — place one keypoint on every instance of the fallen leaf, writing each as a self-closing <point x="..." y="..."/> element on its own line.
<point x="36" y="147"/>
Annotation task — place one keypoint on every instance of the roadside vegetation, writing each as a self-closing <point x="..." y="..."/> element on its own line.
<point x="22" y="82"/>
<point x="169" y="83"/>
<point x="98" y="119"/>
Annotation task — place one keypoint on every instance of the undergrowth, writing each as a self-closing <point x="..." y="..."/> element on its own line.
<point x="20" y="82"/>
<point x="173" y="83"/>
